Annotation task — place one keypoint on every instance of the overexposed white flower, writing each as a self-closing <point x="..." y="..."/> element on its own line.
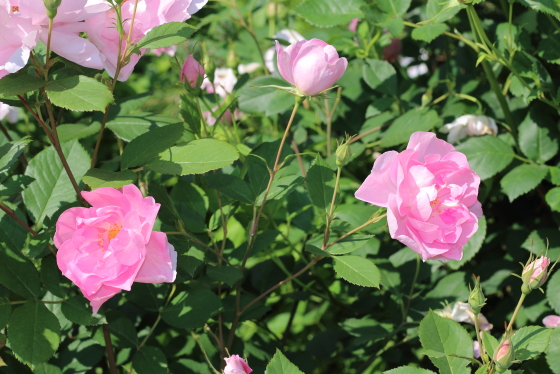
<point x="291" y="36"/>
<point x="417" y="70"/>
<point x="224" y="81"/>
<point x="248" y="68"/>
<point x="462" y="312"/>
<point x="469" y="125"/>
<point x="10" y="112"/>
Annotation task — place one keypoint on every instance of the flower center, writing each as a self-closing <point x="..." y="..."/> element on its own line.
<point x="113" y="231"/>
<point x="15" y="9"/>
<point x="111" y="234"/>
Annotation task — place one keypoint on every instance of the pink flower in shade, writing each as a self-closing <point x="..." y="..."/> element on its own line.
<point x="353" y="25"/>
<point x="476" y="348"/>
<point x="169" y="50"/>
<point x="551" y="321"/>
<point x="430" y="193"/>
<point x="236" y="365"/>
<point x="311" y="65"/>
<point x="392" y="51"/>
<point x="212" y="117"/>
<point x="10" y="112"/>
<point x="149" y="14"/>
<point x="105" y="248"/>
<point x="193" y="72"/>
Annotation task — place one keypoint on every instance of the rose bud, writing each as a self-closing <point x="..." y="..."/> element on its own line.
<point x="236" y="365"/>
<point x="535" y="274"/>
<point x="551" y="321"/>
<point x="193" y="72"/>
<point x="504" y="356"/>
<point x="476" y="298"/>
<point x="313" y="66"/>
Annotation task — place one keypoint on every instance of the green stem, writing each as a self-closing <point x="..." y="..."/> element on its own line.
<point x="158" y="319"/>
<point x="331" y="210"/>
<point x="517" y="308"/>
<point x="412" y="286"/>
<point x="481" y="346"/>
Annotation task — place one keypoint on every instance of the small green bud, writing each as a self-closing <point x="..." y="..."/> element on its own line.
<point x="52" y="6"/>
<point x="343" y="152"/>
<point x="476" y="298"/>
<point x="232" y="59"/>
<point x="426" y="98"/>
<point x="504" y="356"/>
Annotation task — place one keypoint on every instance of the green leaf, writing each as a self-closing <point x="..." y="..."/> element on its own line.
<point x="349" y="244"/>
<point x="553" y="351"/>
<point x="487" y="155"/>
<point x="545" y="6"/>
<point x="522" y="179"/>
<point x="428" y="32"/>
<point x="394" y="7"/>
<point x="5" y="311"/>
<point x="52" y="187"/>
<point x="196" y="157"/>
<point x="553" y="291"/>
<point x="190" y="114"/>
<point x="451" y="287"/>
<point x="149" y="360"/>
<point x="52" y="278"/>
<point x="255" y="98"/>
<point x="328" y="13"/>
<point x="78" y="310"/>
<point x="441" y="11"/>
<point x="20" y="83"/>
<point x="357" y="270"/>
<point x="15" y="184"/>
<point x="490" y="343"/>
<point x="448" y="337"/>
<point x="130" y="126"/>
<point x="281" y="365"/>
<point x="530" y="341"/>
<point x="98" y="178"/>
<point x="79" y="93"/>
<point x="34" y="333"/>
<point x="147" y="146"/>
<point x="76" y="131"/>
<point x="12" y="234"/>
<point x="166" y="35"/>
<point x="281" y="187"/>
<point x="148" y="296"/>
<point x="10" y="152"/>
<point x="46" y="368"/>
<point x="191" y="309"/>
<point x="231" y="186"/>
<point x="316" y="251"/>
<point x="320" y="184"/>
<point x="18" y="274"/>
<point x="538" y="137"/>
<point x="553" y="198"/>
<point x="408" y="370"/>
<point x="227" y="274"/>
<point x="381" y="76"/>
<point x="123" y="332"/>
<point x="473" y="245"/>
<point x="412" y="121"/>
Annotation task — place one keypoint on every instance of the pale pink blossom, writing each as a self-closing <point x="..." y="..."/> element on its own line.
<point x="9" y="112"/>
<point x="212" y="117"/>
<point x="430" y="193"/>
<point x="353" y="25"/>
<point x="149" y="14"/>
<point x="291" y="36"/>
<point x="535" y="274"/>
<point x="169" y="50"/>
<point x="193" y="72"/>
<point x="551" y="321"/>
<point x="224" y="82"/>
<point x="311" y="65"/>
<point x="476" y="349"/>
<point x="248" y="68"/>
<point x="236" y="365"/>
<point x="105" y="248"/>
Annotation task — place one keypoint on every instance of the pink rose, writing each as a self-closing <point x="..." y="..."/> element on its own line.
<point x="551" y="321"/>
<point x="105" y="248"/>
<point x="311" y="65"/>
<point x="193" y="72"/>
<point x="430" y="194"/>
<point x="169" y="50"/>
<point x="353" y="25"/>
<point x="535" y="274"/>
<point x="236" y="365"/>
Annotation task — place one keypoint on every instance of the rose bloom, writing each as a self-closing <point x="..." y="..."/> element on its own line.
<point x="105" y="248"/>
<point x="551" y="321"/>
<point x="291" y="36"/>
<point x="311" y="65"/>
<point x="193" y="72"/>
<point x="430" y="194"/>
<point x="236" y="365"/>
<point x="10" y="112"/>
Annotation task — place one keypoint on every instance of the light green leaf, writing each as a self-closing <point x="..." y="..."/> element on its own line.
<point x="10" y="152"/>
<point x="46" y="368"/>
<point x="15" y="184"/>
<point x="18" y="274"/>
<point x="147" y="146"/>
<point x="349" y="244"/>
<point x="316" y="251"/>
<point x="412" y="121"/>
<point x="79" y="93"/>
<point x="20" y="83"/>
<point x="473" y="245"/>
<point x="190" y="114"/>
<point x="487" y="155"/>
<point x="538" y="137"/>
<point x="34" y="333"/>
<point x="196" y="157"/>
<point x="52" y="187"/>
<point x="191" y="309"/>
<point x="452" y="287"/>
<point x="281" y="365"/>
<point x="98" y="178"/>
<point x="76" y="131"/>
<point x="357" y="270"/>
<point x="545" y="6"/>
<point x="327" y="13"/>
<point x="552" y="198"/>
<point x="381" y="76"/>
<point x="78" y="310"/>
<point x="231" y="186"/>
<point x="428" y="32"/>
<point x="448" y="337"/>
<point x="149" y="360"/>
<point x="553" y="291"/>
<point x="553" y="351"/>
<point x="227" y="274"/>
<point x="441" y="11"/>
<point x="281" y="187"/>
<point x="130" y="126"/>
<point x="255" y="98"/>
<point x="320" y="184"/>
<point x="394" y="8"/>
<point x="123" y="332"/>
<point x="530" y="341"/>
<point x="522" y="179"/>
<point x="166" y="35"/>
<point x="490" y="343"/>
<point x="408" y="370"/>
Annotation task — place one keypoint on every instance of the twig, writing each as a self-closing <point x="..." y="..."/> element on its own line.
<point x="109" y="348"/>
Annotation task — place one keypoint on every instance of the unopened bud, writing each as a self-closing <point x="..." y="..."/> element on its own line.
<point x="271" y="10"/>
<point x="343" y="152"/>
<point x="209" y="67"/>
<point x="232" y="59"/>
<point x="426" y="98"/>
<point x="535" y="274"/>
<point x="52" y="6"/>
<point x="193" y="73"/>
<point x="476" y="298"/>
<point x="504" y="356"/>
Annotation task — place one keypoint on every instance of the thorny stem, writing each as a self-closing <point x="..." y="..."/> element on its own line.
<point x="109" y="349"/>
<point x="412" y="286"/>
<point x="356" y="138"/>
<point x="481" y="347"/>
<point x="517" y="309"/>
<point x="173" y="288"/>
<point x="455" y="36"/>
<point x="195" y="337"/>
<point x="12" y="215"/>
<point x="331" y="210"/>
